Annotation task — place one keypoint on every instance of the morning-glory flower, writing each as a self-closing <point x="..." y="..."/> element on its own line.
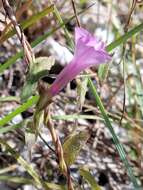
<point x="89" y="51"/>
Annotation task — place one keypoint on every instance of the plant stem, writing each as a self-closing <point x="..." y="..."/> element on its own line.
<point x="59" y="149"/>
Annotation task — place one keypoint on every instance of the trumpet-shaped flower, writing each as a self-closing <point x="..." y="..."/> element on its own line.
<point x="89" y="51"/>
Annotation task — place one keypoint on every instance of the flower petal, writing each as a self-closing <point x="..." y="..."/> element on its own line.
<point x="96" y="44"/>
<point x="88" y="51"/>
<point x="81" y="33"/>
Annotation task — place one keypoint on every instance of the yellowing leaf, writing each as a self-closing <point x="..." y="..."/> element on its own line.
<point x="89" y="178"/>
<point x="73" y="145"/>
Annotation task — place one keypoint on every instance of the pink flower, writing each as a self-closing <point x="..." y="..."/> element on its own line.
<point x="89" y="51"/>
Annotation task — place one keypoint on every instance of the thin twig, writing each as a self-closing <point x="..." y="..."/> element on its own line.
<point x="75" y="13"/>
<point x="46" y="143"/>
<point x="129" y="15"/>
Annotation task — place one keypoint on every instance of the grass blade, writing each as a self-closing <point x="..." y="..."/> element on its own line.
<point x="118" y="145"/>
<point x="124" y="38"/>
<point x="19" y="110"/>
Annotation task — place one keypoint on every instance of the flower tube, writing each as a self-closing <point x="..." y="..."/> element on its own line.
<point x="89" y="51"/>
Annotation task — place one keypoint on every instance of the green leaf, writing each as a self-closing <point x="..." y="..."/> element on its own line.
<point x="73" y="145"/>
<point x="39" y="69"/>
<point x="42" y="64"/>
<point x="28" y="90"/>
<point x="89" y="178"/>
<point x="60" y="20"/>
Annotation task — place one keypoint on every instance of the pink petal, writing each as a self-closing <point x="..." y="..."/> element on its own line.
<point x="81" y="33"/>
<point x="89" y="51"/>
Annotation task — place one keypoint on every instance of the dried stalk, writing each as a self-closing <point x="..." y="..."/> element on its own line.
<point x="28" y="54"/>
<point x="59" y="149"/>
